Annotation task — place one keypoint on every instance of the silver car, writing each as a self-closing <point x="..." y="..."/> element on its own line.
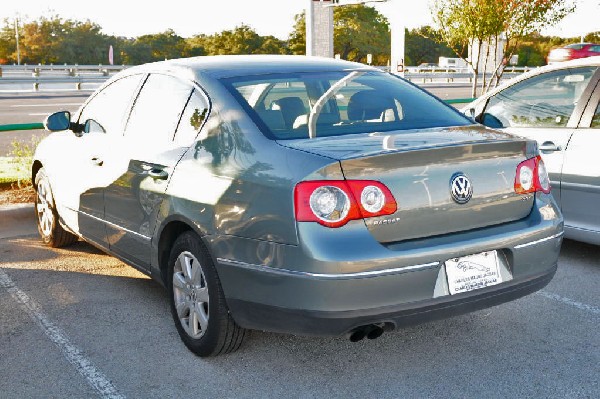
<point x="559" y="107"/>
<point x="297" y="195"/>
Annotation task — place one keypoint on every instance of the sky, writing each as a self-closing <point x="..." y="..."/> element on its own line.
<point x="266" y="17"/>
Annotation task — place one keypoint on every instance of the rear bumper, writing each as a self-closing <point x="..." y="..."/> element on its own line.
<point x="305" y="322"/>
<point x="340" y="279"/>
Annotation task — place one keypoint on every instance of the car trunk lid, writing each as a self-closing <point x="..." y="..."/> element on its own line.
<point x="418" y="168"/>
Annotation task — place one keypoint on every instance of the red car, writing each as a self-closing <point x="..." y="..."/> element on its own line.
<point x="573" y="51"/>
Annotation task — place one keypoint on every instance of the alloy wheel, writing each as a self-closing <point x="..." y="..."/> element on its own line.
<point x="190" y="293"/>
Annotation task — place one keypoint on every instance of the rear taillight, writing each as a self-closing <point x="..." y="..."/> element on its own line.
<point x="532" y="176"/>
<point x="333" y="203"/>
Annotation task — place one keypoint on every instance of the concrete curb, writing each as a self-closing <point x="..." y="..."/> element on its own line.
<point x="17" y="220"/>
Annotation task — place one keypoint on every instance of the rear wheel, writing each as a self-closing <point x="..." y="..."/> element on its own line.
<point x="52" y="233"/>
<point x="197" y="301"/>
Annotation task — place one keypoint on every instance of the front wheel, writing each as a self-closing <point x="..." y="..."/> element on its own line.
<point x="51" y="232"/>
<point x="197" y="301"/>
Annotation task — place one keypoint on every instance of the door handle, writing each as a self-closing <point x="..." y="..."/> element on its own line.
<point x="549" y="146"/>
<point x="97" y="161"/>
<point x="158" y="174"/>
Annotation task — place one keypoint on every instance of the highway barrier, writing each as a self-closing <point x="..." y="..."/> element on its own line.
<point x="76" y="76"/>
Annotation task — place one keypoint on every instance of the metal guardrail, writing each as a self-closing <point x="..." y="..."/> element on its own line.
<point x="79" y="80"/>
<point x="67" y="68"/>
<point x="35" y="82"/>
<point x="75" y="74"/>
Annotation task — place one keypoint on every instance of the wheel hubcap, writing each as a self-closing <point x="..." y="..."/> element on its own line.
<point x="191" y="294"/>
<point x="44" y="208"/>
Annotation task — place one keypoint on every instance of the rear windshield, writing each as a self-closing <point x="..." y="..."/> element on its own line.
<point x="318" y="104"/>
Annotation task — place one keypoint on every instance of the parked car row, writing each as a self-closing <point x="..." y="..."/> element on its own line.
<point x="573" y="52"/>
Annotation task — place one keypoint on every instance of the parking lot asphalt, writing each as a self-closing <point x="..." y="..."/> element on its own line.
<point x="78" y="323"/>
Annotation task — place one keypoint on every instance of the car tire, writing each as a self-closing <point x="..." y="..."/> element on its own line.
<point x="197" y="301"/>
<point x="48" y="221"/>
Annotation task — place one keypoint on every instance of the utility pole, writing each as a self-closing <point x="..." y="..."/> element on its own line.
<point x="319" y="28"/>
<point x="17" y="38"/>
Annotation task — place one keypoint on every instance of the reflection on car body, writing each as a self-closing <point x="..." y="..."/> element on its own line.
<point x="296" y="195"/>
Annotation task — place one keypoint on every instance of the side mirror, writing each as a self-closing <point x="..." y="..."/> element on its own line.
<point x="58" y="121"/>
<point x="490" y="120"/>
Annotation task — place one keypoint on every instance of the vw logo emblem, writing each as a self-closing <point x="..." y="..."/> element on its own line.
<point x="461" y="188"/>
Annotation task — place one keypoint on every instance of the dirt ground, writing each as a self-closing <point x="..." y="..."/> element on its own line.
<point x="14" y="195"/>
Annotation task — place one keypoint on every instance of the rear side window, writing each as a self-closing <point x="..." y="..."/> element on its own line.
<point x="106" y="111"/>
<point x="157" y="109"/>
<point x="193" y="118"/>
<point x="546" y="100"/>
<point x="303" y="105"/>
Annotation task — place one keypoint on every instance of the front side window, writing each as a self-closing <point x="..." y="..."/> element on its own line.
<point x="157" y="109"/>
<point x="317" y="104"/>
<point x="106" y="111"/>
<point x="546" y="100"/>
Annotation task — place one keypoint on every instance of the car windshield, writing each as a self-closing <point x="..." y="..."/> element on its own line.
<point x="318" y="104"/>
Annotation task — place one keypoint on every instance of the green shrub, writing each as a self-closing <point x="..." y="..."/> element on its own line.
<point x="17" y="168"/>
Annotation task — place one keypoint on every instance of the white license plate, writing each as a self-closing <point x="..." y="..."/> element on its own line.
<point x="473" y="272"/>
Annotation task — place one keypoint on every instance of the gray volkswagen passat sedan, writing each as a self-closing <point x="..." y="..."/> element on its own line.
<point x="297" y="195"/>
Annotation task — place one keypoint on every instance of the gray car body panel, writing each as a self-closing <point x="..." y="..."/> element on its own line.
<point x="235" y="188"/>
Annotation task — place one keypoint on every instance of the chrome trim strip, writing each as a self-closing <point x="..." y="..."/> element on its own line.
<point x="528" y="244"/>
<point x="115" y="226"/>
<point x="324" y="276"/>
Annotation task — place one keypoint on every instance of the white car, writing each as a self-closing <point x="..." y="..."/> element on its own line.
<point x="558" y="106"/>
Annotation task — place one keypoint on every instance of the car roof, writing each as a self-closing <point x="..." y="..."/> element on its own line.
<point x="223" y="66"/>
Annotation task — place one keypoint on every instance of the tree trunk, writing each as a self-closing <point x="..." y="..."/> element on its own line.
<point x="485" y="63"/>
<point x="475" y="67"/>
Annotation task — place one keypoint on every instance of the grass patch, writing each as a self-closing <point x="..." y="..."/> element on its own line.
<point x="13" y="172"/>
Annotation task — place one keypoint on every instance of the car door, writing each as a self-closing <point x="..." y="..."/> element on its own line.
<point x="580" y="185"/>
<point x="85" y="176"/>
<point x="546" y="108"/>
<point x="146" y="156"/>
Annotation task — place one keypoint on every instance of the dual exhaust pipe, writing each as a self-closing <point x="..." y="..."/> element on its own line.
<point x="369" y="331"/>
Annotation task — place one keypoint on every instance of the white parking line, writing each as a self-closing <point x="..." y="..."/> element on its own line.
<point x="83" y="365"/>
<point x="568" y="301"/>
<point x="50" y="105"/>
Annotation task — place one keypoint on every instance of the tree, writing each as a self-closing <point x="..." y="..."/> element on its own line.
<point x="297" y="38"/>
<point x="358" y="30"/>
<point x="83" y="42"/>
<point x="8" y="45"/>
<point x="242" y="40"/>
<point x="481" y="25"/>
<point x="424" y="45"/>
<point x="40" y="40"/>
